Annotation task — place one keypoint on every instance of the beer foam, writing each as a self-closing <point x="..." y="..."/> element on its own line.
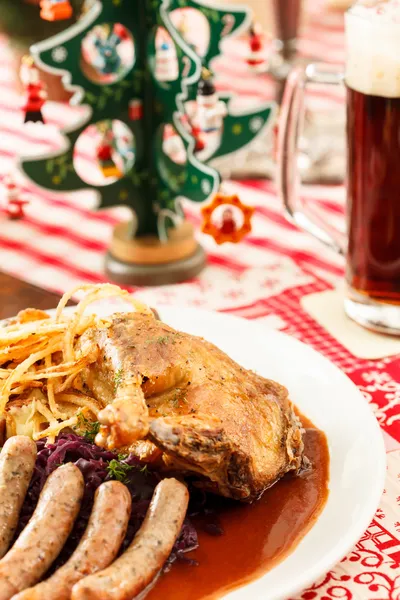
<point x="373" y="47"/>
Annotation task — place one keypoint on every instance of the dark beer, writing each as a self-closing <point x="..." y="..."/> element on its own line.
<point x="373" y="209"/>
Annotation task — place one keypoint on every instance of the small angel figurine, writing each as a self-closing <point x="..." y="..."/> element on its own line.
<point x="15" y="202"/>
<point x="36" y="94"/>
<point x="228" y="223"/>
<point x="105" y="152"/>
<point x="166" y="60"/>
<point x="256" y="59"/>
<point x="210" y="110"/>
<point x="172" y="144"/>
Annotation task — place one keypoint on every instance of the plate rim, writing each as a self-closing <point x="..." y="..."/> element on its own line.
<point x="367" y="510"/>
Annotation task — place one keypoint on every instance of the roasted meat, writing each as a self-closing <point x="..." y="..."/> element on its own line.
<point x="177" y="400"/>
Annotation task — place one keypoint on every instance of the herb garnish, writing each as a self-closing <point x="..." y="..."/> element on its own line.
<point x="162" y="339"/>
<point x="178" y="398"/>
<point x="119" y="470"/>
<point x="118" y="378"/>
<point x="89" y="429"/>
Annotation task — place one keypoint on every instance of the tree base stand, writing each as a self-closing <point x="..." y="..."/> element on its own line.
<point x="147" y="261"/>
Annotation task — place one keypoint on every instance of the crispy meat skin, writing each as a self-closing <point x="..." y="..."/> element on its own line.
<point x="198" y="410"/>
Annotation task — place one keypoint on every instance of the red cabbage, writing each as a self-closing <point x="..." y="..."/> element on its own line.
<point x="92" y="462"/>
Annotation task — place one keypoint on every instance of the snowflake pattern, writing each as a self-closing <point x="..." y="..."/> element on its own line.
<point x="205" y="186"/>
<point x="59" y="54"/>
<point x="370" y="570"/>
<point x="383" y="393"/>
<point x="233" y="290"/>
<point x="255" y="124"/>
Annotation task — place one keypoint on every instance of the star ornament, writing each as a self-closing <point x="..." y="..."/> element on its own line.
<point x="231" y="234"/>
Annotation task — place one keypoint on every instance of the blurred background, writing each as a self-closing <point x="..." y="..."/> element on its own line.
<point x="286" y="32"/>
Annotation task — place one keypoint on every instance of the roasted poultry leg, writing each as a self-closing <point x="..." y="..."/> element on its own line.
<point x="176" y="399"/>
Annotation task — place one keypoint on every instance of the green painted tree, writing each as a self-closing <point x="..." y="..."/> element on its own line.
<point x="239" y="128"/>
<point x="153" y="185"/>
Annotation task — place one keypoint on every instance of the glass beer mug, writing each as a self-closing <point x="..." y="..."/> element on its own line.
<point x="372" y="244"/>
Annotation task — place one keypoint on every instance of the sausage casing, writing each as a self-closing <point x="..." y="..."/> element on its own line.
<point x="132" y="572"/>
<point x="41" y="541"/>
<point x="17" y="461"/>
<point x="98" y="547"/>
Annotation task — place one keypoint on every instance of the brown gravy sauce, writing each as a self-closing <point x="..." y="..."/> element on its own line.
<point x="256" y="536"/>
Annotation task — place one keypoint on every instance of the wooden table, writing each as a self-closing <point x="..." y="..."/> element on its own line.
<point x="16" y="295"/>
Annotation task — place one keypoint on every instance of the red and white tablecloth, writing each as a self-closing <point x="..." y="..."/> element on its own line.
<point x="62" y="240"/>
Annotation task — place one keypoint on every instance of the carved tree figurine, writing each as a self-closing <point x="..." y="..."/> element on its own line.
<point x="147" y="93"/>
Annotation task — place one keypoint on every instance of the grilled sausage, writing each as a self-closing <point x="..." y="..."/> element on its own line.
<point x="97" y="549"/>
<point x="132" y="572"/>
<point x="17" y="461"/>
<point x="46" y="533"/>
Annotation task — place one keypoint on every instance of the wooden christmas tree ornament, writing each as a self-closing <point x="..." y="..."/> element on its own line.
<point x="105" y="151"/>
<point x="15" y="200"/>
<point x="226" y="229"/>
<point x="35" y="93"/>
<point x="55" y="10"/>
<point x="257" y="60"/>
<point x="150" y="76"/>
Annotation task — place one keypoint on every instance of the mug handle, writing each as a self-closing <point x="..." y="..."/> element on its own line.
<point x="290" y="124"/>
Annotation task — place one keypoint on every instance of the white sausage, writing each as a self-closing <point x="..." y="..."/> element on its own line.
<point x="41" y="541"/>
<point x="97" y="549"/>
<point x="17" y="461"/>
<point x="132" y="572"/>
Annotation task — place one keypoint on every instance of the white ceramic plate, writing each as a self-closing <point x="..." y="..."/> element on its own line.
<point x="334" y="404"/>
